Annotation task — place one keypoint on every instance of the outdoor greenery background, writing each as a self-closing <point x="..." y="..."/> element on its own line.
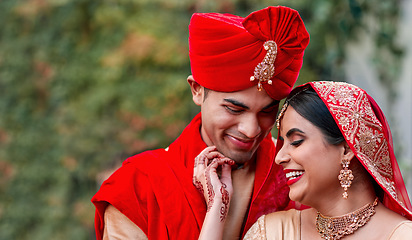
<point x="85" y="83"/>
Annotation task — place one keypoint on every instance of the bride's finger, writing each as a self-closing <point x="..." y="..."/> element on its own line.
<point x="212" y="169"/>
<point x="226" y="176"/>
<point x="219" y="187"/>
<point x="212" y="155"/>
<point x="201" y="161"/>
<point x="202" y="157"/>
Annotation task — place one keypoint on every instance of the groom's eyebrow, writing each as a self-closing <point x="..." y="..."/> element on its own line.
<point x="236" y="103"/>
<point x="273" y="103"/>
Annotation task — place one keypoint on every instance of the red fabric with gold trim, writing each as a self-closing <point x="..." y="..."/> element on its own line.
<point x="367" y="132"/>
<point x="225" y="49"/>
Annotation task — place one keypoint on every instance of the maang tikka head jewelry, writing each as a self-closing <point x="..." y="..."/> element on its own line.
<point x="265" y="70"/>
<point x="345" y="177"/>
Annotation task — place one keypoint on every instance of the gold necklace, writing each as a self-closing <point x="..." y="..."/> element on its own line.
<point x="333" y="228"/>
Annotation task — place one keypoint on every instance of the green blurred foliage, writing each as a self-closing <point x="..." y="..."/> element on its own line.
<point x="84" y="84"/>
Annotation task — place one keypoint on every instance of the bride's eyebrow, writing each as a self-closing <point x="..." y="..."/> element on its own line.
<point x="293" y="130"/>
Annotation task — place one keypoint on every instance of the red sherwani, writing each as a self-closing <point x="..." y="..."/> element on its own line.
<point x="154" y="189"/>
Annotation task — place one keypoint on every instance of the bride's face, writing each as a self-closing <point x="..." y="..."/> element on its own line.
<point x="311" y="164"/>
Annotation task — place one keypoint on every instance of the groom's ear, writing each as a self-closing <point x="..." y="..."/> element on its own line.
<point x="197" y="91"/>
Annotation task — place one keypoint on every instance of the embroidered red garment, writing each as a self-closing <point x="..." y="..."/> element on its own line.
<point x="367" y="132"/>
<point x="154" y="189"/>
<point x="225" y="50"/>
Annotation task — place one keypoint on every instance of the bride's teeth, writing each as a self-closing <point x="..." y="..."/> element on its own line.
<point x="294" y="174"/>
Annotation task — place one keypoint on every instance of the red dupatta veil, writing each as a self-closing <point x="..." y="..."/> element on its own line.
<point x="367" y="132"/>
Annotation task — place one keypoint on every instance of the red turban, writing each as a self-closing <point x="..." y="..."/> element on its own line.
<point x="227" y="52"/>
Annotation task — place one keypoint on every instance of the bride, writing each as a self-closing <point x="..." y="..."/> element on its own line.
<point x="336" y="149"/>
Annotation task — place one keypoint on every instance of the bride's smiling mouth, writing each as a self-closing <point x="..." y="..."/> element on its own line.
<point x="293" y="176"/>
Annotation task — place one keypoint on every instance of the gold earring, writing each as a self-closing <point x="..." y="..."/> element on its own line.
<point x="345" y="177"/>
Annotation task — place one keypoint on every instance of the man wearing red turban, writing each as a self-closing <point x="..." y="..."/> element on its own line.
<point x="241" y="69"/>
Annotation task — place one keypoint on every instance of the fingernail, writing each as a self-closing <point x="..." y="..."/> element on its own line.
<point x="229" y="161"/>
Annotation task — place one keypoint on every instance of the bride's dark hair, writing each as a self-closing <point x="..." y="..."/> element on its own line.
<point x="308" y="104"/>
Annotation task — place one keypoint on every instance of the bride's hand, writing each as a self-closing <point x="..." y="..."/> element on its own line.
<point x="212" y="177"/>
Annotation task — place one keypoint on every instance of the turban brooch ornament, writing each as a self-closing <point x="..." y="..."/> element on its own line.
<point x="264" y="71"/>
